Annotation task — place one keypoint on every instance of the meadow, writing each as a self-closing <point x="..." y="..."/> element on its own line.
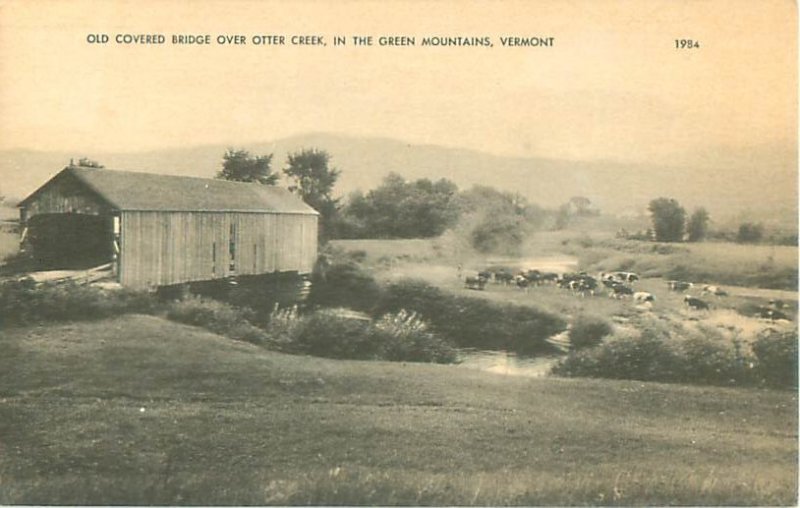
<point x="140" y="410"/>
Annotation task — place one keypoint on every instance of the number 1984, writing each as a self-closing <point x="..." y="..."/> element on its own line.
<point x="686" y="44"/>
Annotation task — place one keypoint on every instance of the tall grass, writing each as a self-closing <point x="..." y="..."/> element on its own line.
<point x="344" y="486"/>
<point x="763" y="266"/>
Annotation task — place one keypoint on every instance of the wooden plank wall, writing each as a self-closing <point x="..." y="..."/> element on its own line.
<point x="162" y="248"/>
<point x="65" y="195"/>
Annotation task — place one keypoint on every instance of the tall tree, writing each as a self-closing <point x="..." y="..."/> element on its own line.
<point x="313" y="179"/>
<point x="750" y="232"/>
<point x="669" y="219"/>
<point x="697" y="227"/>
<point x="240" y="166"/>
<point x="400" y="209"/>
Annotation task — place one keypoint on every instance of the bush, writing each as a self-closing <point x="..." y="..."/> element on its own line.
<point x="341" y="333"/>
<point x="708" y="357"/>
<point x="334" y="333"/>
<point x="344" y="284"/>
<point x="588" y="331"/>
<point x="25" y="302"/>
<point x="217" y="317"/>
<point x="777" y="358"/>
<point x="750" y="233"/>
<point x="646" y="358"/>
<point x="261" y="293"/>
<point x="472" y="322"/>
<point x="406" y="337"/>
<point x="701" y="356"/>
<point x="283" y="326"/>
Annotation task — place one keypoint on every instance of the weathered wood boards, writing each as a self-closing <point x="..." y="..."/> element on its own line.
<point x="163" y="230"/>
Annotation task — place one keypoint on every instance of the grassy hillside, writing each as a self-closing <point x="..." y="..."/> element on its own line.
<point x="138" y="410"/>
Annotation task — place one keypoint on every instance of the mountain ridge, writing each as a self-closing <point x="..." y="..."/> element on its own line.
<point x="762" y="182"/>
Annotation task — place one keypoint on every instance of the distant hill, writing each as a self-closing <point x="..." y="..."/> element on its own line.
<point x="761" y="183"/>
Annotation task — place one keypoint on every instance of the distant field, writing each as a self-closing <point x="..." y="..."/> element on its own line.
<point x="761" y="266"/>
<point x="9" y="244"/>
<point x="138" y="410"/>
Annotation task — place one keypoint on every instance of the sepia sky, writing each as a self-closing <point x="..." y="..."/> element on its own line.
<point x="613" y="86"/>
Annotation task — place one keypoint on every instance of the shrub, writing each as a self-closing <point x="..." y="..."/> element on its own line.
<point x="333" y="333"/>
<point x="503" y="234"/>
<point x="709" y="357"/>
<point x="283" y="326"/>
<point x="217" y="317"/>
<point x="260" y="293"/>
<point x="342" y="333"/>
<point x="25" y="302"/>
<point x="646" y="358"/>
<point x="406" y="337"/>
<point x="472" y="322"/>
<point x="344" y="284"/>
<point x="588" y="331"/>
<point x="777" y="358"/>
<point x="699" y="356"/>
<point x="749" y="233"/>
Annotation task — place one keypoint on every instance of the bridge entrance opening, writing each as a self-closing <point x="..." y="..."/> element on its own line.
<point x="70" y="241"/>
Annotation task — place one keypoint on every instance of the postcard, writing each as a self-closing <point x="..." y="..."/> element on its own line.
<point x="415" y="252"/>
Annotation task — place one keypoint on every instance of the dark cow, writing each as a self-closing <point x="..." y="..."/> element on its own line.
<point x="772" y="314"/>
<point x="581" y="283"/>
<point x="533" y="276"/>
<point x="695" y="303"/>
<point x="485" y="275"/>
<point x="679" y="285"/>
<point x="472" y="282"/>
<point x="778" y="304"/>
<point x="503" y="277"/>
<point x="620" y="291"/>
<point x="610" y="283"/>
<point x="549" y="277"/>
<point x="568" y="278"/>
<point x="628" y="277"/>
<point x="522" y="282"/>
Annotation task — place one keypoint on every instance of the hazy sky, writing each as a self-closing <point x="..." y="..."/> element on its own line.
<point x="613" y="86"/>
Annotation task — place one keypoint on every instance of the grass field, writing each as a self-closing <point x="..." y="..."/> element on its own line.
<point x="138" y="410"/>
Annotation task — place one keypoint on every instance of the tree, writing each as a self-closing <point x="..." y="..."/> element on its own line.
<point x="240" y="166"/>
<point x="697" y="226"/>
<point x="669" y="219"/>
<point x="750" y="233"/>
<point x="582" y="206"/>
<point x="313" y="179"/>
<point x="86" y="162"/>
<point x="400" y="209"/>
<point x="502" y="221"/>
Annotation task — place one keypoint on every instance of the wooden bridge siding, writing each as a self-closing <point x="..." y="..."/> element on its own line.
<point x="65" y="195"/>
<point x="161" y="248"/>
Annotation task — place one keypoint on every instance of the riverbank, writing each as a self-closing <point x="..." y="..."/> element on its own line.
<point x="139" y="410"/>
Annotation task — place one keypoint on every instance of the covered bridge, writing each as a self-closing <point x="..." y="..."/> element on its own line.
<point x="158" y="230"/>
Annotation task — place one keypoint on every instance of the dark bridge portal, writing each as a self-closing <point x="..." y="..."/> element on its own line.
<point x="70" y="240"/>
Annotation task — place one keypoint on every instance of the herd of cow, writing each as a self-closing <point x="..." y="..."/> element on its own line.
<point x="617" y="285"/>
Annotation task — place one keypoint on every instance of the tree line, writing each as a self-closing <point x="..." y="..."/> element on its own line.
<point x="397" y="208"/>
<point x="671" y="224"/>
